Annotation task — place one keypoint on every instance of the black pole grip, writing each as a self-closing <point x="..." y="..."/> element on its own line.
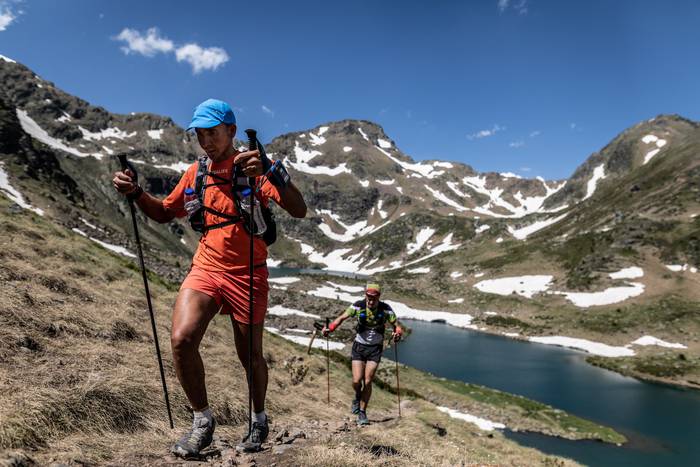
<point x="122" y="161"/>
<point x="252" y="139"/>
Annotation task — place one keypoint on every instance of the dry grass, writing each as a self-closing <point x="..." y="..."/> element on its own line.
<point x="79" y="381"/>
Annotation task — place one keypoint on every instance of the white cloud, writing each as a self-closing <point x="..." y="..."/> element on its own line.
<point x="6" y="18"/>
<point x="526" y="169"/>
<point x="517" y="144"/>
<point x="7" y="15"/>
<point x="519" y="6"/>
<point x="147" y="45"/>
<point x="535" y="134"/>
<point x="200" y="58"/>
<point x="151" y="43"/>
<point x="268" y="110"/>
<point x="486" y="133"/>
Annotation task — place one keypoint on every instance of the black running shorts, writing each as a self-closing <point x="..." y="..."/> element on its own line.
<point x="366" y="353"/>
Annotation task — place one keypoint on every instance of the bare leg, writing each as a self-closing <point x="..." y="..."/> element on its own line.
<point x="193" y="311"/>
<point x="370" y="369"/>
<point x="358" y="372"/>
<point x="240" y="334"/>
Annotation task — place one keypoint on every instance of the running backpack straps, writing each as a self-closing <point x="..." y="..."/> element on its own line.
<point x="379" y="317"/>
<point x="265" y="225"/>
<point x="197" y="220"/>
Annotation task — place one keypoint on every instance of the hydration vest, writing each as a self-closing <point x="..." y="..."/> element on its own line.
<point x="263" y="219"/>
<point x="379" y="325"/>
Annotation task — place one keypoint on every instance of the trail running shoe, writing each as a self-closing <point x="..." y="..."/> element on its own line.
<point x="355" y="406"/>
<point x="362" y="418"/>
<point x="253" y="440"/>
<point x="198" y="438"/>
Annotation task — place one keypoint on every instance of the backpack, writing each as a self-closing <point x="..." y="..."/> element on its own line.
<point x="379" y="317"/>
<point x="264" y="220"/>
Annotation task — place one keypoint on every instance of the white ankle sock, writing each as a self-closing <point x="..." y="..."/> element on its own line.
<point x="260" y="417"/>
<point x="205" y="413"/>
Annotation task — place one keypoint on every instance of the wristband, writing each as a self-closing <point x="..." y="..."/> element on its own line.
<point x="278" y="175"/>
<point x="332" y="327"/>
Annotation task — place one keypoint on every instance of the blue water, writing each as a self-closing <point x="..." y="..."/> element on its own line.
<point x="283" y="271"/>
<point x="662" y="423"/>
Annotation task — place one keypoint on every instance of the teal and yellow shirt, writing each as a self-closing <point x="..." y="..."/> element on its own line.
<point x="370" y="330"/>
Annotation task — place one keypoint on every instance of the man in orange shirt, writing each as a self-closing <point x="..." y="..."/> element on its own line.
<point x="219" y="277"/>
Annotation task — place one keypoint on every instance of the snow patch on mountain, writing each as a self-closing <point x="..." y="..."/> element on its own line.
<point x="358" y="229"/>
<point x="595" y="348"/>
<point x="441" y="197"/>
<point x="660" y="143"/>
<point x="509" y="175"/>
<point x="303" y="157"/>
<point x="13" y="193"/>
<point x="421" y="238"/>
<point x="317" y="140"/>
<point x="598" y="174"/>
<point x="608" y="296"/>
<point x="383" y="143"/>
<point x="482" y="423"/>
<point x="651" y="340"/>
<point x="382" y="214"/>
<point x="420" y="170"/>
<point x="526" y="286"/>
<point x="113" y="132"/>
<point x="304" y="341"/>
<point x="115" y="248"/>
<point x="279" y="310"/>
<point x="155" y="134"/>
<point x="527" y="206"/>
<point x="385" y="182"/>
<point x="523" y="232"/>
<point x="32" y="128"/>
<point x="633" y="272"/>
<point x="423" y="270"/>
<point x="454" y="187"/>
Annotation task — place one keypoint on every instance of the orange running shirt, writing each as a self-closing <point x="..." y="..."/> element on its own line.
<point x="224" y="249"/>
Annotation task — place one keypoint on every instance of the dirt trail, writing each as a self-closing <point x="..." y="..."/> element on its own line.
<point x="284" y="442"/>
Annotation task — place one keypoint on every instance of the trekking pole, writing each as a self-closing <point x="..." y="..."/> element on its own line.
<point x="328" y="364"/>
<point x="252" y="146"/>
<point x="398" y="387"/>
<point x="125" y="165"/>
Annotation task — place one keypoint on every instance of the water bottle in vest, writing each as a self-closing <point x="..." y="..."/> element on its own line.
<point x="260" y="225"/>
<point x="192" y="204"/>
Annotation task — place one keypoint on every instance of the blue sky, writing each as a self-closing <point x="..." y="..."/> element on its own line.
<point x="527" y="86"/>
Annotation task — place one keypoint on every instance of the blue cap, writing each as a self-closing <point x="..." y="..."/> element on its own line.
<point x="210" y="113"/>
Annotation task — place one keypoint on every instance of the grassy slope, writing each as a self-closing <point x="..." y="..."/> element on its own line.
<point x="80" y="381"/>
